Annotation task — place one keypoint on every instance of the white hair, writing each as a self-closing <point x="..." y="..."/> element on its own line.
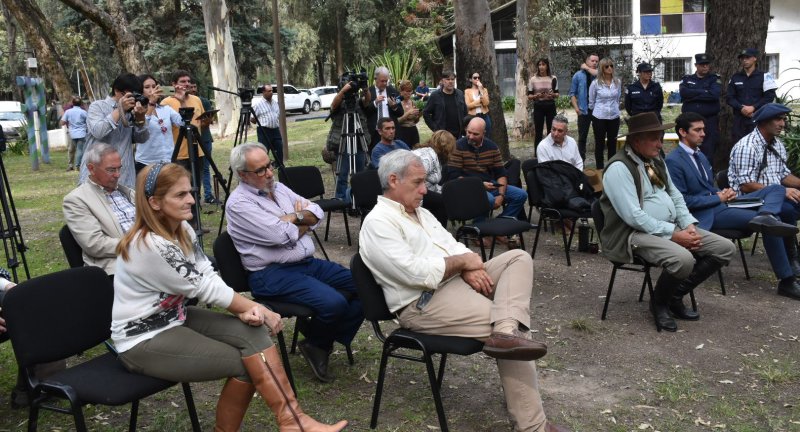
<point x="239" y="156"/>
<point x="396" y="162"/>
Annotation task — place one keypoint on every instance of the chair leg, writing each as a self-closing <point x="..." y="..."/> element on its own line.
<point x="721" y="281"/>
<point x="649" y="283"/>
<point x="483" y="249"/>
<point x="328" y="225"/>
<point x="440" y="376"/>
<point x="491" y="251"/>
<point x="295" y="334"/>
<point x="134" y="416"/>
<point x="755" y="243"/>
<point x="285" y="358"/>
<point x="321" y="247"/>
<point x="694" y="302"/>
<point x="376" y="406"/>
<point x="744" y="261"/>
<point x="349" y="351"/>
<point x="346" y="228"/>
<point x="568" y="243"/>
<point x="536" y="238"/>
<point x="437" y="396"/>
<point x="187" y="394"/>
<point x="608" y="293"/>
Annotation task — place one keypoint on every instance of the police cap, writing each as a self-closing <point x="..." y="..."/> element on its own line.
<point x="748" y="52"/>
<point x="644" y="67"/>
<point x="702" y="58"/>
<point x="769" y="112"/>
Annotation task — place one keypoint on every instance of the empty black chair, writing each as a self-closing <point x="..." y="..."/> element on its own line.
<point x="533" y="198"/>
<point x="375" y="310"/>
<point x="77" y="303"/>
<point x="365" y="186"/>
<point x="638" y="265"/>
<point x="71" y="247"/>
<point x="307" y="182"/>
<point x="464" y="200"/>
<point x="560" y="214"/>
<point x="229" y="263"/>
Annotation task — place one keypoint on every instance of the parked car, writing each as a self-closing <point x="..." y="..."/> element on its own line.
<point x="294" y="99"/>
<point x="315" y="102"/>
<point x="326" y="95"/>
<point x="12" y="119"/>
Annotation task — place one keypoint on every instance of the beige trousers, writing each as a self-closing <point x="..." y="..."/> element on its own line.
<point x="457" y="310"/>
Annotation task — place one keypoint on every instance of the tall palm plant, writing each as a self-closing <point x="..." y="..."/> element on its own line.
<point x="400" y="64"/>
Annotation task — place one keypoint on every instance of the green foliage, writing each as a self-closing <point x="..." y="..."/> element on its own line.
<point x="508" y="103"/>
<point x="399" y="63"/>
<point x="562" y="103"/>
<point x="20" y="145"/>
<point x="791" y="133"/>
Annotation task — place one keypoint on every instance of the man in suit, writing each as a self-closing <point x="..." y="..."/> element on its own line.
<point x="384" y="104"/>
<point x="692" y="176"/>
<point x="100" y="211"/>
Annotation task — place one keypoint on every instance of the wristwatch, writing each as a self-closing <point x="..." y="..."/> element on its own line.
<point x="299" y="216"/>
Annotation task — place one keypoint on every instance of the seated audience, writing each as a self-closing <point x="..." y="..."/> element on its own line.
<point x="691" y="174"/>
<point x="759" y="160"/>
<point x="557" y="145"/>
<point x="100" y="211"/>
<point x="271" y="228"/>
<point x="434" y="154"/>
<point x="436" y="285"/>
<point x="646" y="217"/>
<point x="387" y="143"/>
<point x="160" y="267"/>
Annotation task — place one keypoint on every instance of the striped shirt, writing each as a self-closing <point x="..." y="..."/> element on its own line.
<point x="484" y="161"/>
<point x="267" y="112"/>
<point x="746" y="158"/>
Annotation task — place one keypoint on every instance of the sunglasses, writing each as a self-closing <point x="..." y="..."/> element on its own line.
<point x="476" y="77"/>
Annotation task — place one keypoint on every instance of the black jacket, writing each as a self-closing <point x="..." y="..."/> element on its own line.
<point x="435" y="116"/>
<point x="372" y="112"/>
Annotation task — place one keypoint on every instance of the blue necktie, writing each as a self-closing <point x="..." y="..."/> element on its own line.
<point x="700" y="165"/>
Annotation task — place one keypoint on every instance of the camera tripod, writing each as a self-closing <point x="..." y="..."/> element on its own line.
<point x="10" y="231"/>
<point x="351" y="142"/>
<point x="190" y="133"/>
<point x="246" y="113"/>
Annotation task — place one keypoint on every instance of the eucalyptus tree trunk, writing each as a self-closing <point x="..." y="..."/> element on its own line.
<point x="727" y="34"/>
<point x="37" y="30"/>
<point x="222" y="62"/>
<point x="475" y="53"/>
<point x="525" y="67"/>
<point x="114" y="24"/>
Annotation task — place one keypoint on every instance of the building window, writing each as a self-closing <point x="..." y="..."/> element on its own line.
<point x="604" y="17"/>
<point x="672" y="69"/>
<point x="773" y="64"/>
<point x="503" y="30"/>
<point x="672" y="16"/>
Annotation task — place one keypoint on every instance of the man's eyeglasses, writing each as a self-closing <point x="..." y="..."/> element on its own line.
<point x="261" y="172"/>
<point x="112" y="171"/>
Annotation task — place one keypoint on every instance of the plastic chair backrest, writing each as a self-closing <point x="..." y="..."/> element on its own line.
<point x="598" y="217"/>
<point x="305" y="181"/>
<point x="465" y="199"/>
<point x="229" y="263"/>
<point x="369" y="292"/>
<point x="722" y="179"/>
<point x="72" y="249"/>
<point x="366" y="186"/>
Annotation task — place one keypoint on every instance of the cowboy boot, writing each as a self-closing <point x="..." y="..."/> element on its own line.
<point x="271" y="382"/>
<point x="703" y="268"/>
<point x="659" y="303"/>
<point x="232" y="404"/>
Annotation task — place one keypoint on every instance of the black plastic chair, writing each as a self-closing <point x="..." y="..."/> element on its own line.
<point x="465" y="200"/>
<point x="513" y="167"/>
<point x="551" y="213"/>
<point x="533" y="198"/>
<point x="72" y="249"/>
<point x="79" y="302"/>
<point x="375" y="310"/>
<point x="638" y="265"/>
<point x="307" y="182"/>
<point x="235" y="275"/>
<point x="733" y="234"/>
<point x="365" y="187"/>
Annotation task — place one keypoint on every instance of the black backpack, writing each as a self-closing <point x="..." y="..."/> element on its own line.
<point x="564" y="186"/>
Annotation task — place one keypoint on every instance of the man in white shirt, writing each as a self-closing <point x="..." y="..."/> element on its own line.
<point x="558" y="145"/>
<point x="436" y="285"/>
<point x="267" y="113"/>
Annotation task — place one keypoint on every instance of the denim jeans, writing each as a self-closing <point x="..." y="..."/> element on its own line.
<point x="515" y="199"/>
<point x="342" y="179"/>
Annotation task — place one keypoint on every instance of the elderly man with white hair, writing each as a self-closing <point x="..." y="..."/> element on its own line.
<point x="268" y="224"/>
<point x="384" y="104"/>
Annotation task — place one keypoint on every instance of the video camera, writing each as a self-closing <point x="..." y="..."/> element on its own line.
<point x="186" y="114"/>
<point x="357" y="80"/>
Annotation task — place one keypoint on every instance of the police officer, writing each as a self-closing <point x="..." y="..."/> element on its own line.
<point x="700" y="94"/>
<point x="644" y="95"/>
<point x="748" y="90"/>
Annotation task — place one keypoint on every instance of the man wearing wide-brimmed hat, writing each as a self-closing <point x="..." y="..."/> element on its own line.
<point x="646" y="217"/>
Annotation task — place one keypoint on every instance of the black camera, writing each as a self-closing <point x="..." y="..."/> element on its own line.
<point x="246" y="94"/>
<point x="357" y="80"/>
<point x="142" y="99"/>
<point x="186" y="114"/>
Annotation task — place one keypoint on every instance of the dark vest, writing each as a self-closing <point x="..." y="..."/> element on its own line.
<point x="615" y="236"/>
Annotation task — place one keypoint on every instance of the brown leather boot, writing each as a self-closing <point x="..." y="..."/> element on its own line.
<point x="232" y="404"/>
<point x="271" y="382"/>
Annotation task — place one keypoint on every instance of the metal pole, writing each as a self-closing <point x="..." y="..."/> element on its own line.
<point x="276" y="37"/>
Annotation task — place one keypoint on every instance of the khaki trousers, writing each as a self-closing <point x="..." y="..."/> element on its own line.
<point x="676" y="259"/>
<point x="457" y="310"/>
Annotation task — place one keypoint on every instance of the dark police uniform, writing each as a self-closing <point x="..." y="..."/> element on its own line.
<point x="748" y="90"/>
<point x="639" y="100"/>
<point x="701" y="96"/>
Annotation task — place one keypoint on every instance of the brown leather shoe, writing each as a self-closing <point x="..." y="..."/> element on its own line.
<point x="550" y="427"/>
<point x="515" y="346"/>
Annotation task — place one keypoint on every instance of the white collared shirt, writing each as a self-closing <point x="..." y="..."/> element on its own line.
<point x="548" y="150"/>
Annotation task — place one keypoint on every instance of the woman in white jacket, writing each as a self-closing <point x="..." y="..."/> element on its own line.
<point x="160" y="266"/>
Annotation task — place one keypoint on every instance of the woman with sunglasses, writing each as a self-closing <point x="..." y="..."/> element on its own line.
<point x="159" y="120"/>
<point x="160" y="266"/>
<point x="604" y="96"/>
<point x="477" y="99"/>
<point x="543" y="91"/>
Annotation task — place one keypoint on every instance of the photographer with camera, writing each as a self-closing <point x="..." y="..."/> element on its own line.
<point x="118" y="120"/>
<point x="348" y="101"/>
<point x="384" y="105"/>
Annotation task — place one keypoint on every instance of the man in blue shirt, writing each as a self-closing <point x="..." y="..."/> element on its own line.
<point x="386" y="130"/>
<point x="647" y="218"/>
<point x="75" y="120"/>
<point x="748" y="90"/>
<point x="579" y="98"/>
<point x="700" y="94"/>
